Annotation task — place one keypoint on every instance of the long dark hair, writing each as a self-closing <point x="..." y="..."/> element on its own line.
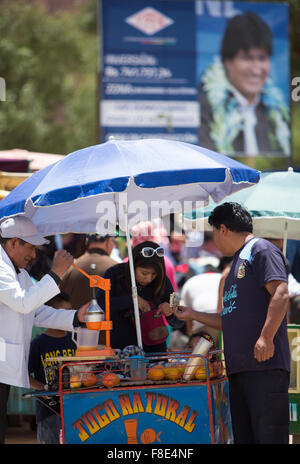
<point x="155" y="262"/>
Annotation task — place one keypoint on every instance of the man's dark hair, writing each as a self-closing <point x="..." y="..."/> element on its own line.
<point x="3" y="241"/>
<point x="97" y="238"/>
<point x="233" y="216"/>
<point x="244" y="32"/>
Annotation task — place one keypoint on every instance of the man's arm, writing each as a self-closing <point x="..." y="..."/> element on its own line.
<point x="187" y="314"/>
<point x="36" y="384"/>
<point x="26" y="300"/>
<point x="277" y="309"/>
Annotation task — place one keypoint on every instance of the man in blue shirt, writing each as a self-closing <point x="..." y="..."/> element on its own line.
<point x="253" y="320"/>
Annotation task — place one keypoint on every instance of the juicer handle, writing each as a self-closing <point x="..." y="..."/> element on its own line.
<point x="73" y="333"/>
<point x="95" y="280"/>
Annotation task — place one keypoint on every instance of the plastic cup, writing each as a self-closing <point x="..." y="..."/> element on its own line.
<point x="138" y="367"/>
<point x="87" y="340"/>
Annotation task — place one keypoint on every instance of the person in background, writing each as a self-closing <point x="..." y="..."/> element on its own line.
<point x="200" y="293"/>
<point x="293" y="316"/>
<point x="148" y="231"/>
<point x="77" y="285"/>
<point x="293" y="256"/>
<point x="153" y="288"/>
<point x="253" y="320"/>
<point x="22" y="303"/>
<point x="195" y="338"/>
<point x="95" y="261"/>
<point x="52" y="343"/>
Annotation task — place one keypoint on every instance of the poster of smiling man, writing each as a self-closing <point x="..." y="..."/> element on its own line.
<point x="208" y="72"/>
<point x="243" y="70"/>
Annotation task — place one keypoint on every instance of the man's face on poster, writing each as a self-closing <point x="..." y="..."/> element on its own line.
<point x="248" y="71"/>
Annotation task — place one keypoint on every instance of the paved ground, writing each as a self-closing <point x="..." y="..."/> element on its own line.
<point x="21" y="434"/>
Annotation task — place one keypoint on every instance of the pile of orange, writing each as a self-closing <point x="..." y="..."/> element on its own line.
<point x="159" y="372"/>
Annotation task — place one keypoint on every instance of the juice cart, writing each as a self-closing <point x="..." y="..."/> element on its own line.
<point x="167" y="398"/>
<point x="141" y="411"/>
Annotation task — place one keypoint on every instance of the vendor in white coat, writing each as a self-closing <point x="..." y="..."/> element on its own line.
<point x="22" y="303"/>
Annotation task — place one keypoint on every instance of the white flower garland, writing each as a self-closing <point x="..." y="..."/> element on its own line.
<point x="228" y="120"/>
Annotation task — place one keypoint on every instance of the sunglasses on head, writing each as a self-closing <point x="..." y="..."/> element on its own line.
<point x="148" y="252"/>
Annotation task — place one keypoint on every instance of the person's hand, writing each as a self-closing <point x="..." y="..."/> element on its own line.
<point x="183" y="312"/>
<point x="165" y="309"/>
<point x="82" y="311"/>
<point x="263" y="349"/>
<point x="144" y="305"/>
<point x="61" y="262"/>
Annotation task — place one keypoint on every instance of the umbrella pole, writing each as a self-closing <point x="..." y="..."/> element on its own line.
<point x="285" y="234"/>
<point x="134" y="289"/>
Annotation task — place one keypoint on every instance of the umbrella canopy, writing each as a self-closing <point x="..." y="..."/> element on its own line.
<point x="64" y="197"/>
<point x="273" y="204"/>
<point x="121" y="181"/>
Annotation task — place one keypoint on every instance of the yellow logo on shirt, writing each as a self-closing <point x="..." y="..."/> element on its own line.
<point x="241" y="271"/>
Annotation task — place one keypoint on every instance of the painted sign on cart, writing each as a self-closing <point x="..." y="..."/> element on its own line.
<point x="170" y="415"/>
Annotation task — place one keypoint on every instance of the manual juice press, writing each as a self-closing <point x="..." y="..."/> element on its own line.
<point x="96" y="319"/>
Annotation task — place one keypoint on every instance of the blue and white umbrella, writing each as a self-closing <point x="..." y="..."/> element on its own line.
<point x="125" y="182"/>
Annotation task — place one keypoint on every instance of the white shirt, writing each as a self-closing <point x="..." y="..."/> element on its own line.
<point x="200" y="292"/>
<point x="250" y="120"/>
<point x="22" y="307"/>
<point x="293" y="286"/>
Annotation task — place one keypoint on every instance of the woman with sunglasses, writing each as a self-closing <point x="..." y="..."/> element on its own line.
<point x="153" y="288"/>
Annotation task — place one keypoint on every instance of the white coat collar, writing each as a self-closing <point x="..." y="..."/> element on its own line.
<point x="7" y="260"/>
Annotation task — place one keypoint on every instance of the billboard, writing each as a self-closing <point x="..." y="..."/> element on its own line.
<point x="213" y="73"/>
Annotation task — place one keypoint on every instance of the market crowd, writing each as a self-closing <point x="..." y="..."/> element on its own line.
<point x="234" y="287"/>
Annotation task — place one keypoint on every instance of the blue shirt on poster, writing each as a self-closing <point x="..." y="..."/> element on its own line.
<point x="245" y="305"/>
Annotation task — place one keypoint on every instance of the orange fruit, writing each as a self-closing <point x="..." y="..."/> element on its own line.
<point x="89" y="379"/>
<point x="156" y="373"/>
<point x="173" y="373"/>
<point x="200" y="373"/>
<point x="75" y="381"/>
<point x="181" y="368"/>
<point x="110" y="380"/>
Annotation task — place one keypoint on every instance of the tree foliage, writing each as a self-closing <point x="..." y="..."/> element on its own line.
<point x="49" y="64"/>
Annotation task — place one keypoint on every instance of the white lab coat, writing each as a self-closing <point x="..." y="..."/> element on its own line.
<point x="22" y="307"/>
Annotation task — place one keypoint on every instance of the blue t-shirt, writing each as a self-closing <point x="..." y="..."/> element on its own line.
<point x="245" y="305"/>
<point x="46" y="346"/>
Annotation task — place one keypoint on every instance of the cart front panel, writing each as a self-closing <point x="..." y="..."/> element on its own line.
<point x="146" y="415"/>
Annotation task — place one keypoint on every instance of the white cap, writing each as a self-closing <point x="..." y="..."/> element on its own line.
<point x="23" y="228"/>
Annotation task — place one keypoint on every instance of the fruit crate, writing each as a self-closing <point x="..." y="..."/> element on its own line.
<point x="158" y="369"/>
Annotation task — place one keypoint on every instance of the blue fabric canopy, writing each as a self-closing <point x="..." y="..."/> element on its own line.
<point x="64" y="197"/>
